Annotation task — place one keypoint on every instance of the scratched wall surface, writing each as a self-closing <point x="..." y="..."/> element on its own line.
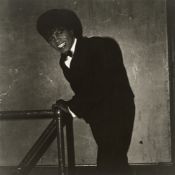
<point x="30" y="77"/>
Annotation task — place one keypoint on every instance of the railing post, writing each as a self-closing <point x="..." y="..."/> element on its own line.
<point x="60" y="143"/>
<point x="70" y="146"/>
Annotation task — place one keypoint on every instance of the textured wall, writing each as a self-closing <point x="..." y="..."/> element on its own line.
<point x="30" y="77"/>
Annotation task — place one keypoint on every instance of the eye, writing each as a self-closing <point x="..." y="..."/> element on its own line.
<point x="50" y="39"/>
<point x="59" y="31"/>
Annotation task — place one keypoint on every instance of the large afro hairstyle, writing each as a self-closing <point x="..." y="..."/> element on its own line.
<point x="59" y="18"/>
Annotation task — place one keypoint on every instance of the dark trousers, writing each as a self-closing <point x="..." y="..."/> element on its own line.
<point x="113" y="136"/>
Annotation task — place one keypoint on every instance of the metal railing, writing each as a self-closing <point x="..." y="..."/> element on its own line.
<point x="52" y="131"/>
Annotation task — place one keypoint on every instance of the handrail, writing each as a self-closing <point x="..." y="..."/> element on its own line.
<point x="26" y="114"/>
<point x="54" y="129"/>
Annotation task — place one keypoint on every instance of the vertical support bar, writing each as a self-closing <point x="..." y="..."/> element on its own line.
<point x="60" y="143"/>
<point x="171" y="54"/>
<point x="70" y="146"/>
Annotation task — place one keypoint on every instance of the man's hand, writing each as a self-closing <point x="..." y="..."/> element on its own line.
<point x="60" y="105"/>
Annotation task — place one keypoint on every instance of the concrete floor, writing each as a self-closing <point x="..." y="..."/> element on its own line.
<point x="137" y="170"/>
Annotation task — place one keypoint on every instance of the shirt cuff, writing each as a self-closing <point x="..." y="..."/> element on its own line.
<point x="72" y="113"/>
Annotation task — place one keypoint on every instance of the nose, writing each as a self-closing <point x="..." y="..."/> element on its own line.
<point x="57" y="41"/>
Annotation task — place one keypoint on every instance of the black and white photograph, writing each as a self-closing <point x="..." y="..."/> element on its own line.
<point x="87" y="87"/>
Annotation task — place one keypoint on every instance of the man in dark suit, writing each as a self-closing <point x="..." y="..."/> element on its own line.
<point x="103" y="97"/>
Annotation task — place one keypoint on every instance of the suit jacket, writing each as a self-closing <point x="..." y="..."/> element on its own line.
<point x="98" y="78"/>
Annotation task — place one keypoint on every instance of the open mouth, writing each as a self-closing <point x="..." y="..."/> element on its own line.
<point x="60" y="46"/>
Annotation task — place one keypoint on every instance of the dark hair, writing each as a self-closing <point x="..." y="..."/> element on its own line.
<point x="59" y="18"/>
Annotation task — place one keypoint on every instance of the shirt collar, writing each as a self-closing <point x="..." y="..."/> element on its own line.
<point x="73" y="46"/>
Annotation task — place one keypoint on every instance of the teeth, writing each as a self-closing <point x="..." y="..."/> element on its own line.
<point x="61" y="45"/>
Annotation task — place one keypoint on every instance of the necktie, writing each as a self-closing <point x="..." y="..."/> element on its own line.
<point x="68" y="53"/>
<point x="66" y="59"/>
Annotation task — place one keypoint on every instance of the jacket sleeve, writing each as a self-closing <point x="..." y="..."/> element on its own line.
<point x="107" y="82"/>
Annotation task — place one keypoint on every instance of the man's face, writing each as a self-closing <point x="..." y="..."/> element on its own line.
<point x="61" y="40"/>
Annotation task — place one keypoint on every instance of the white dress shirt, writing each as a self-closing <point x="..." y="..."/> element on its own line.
<point x="69" y="59"/>
<point x="68" y="62"/>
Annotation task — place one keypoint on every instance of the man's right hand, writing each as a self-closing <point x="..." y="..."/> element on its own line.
<point x="60" y="105"/>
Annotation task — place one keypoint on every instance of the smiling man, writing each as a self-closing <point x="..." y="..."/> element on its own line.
<point x="61" y="39"/>
<point x="103" y="97"/>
